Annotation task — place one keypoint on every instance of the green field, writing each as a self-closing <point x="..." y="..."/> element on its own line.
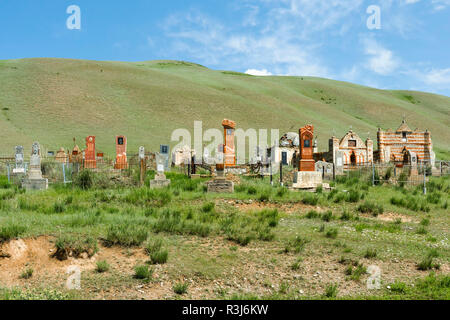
<point x="261" y="242"/>
<point x="54" y="100"/>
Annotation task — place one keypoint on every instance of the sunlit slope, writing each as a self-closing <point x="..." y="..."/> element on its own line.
<point x="54" y="100"/>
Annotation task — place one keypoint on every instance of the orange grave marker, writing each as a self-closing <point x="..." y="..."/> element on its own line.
<point x="89" y="154"/>
<point x="121" y="153"/>
<point x="307" y="162"/>
<point x="229" y="153"/>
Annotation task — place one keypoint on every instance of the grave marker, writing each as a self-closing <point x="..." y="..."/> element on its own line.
<point x="20" y="168"/>
<point x="229" y="127"/>
<point x="164" y="151"/>
<point x="121" y="153"/>
<point x="307" y="177"/>
<point x="89" y="154"/>
<point x="34" y="178"/>
<point x="160" y="180"/>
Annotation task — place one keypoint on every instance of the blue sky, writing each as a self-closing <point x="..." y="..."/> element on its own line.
<point x="326" y="38"/>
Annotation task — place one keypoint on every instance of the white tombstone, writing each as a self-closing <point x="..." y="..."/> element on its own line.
<point x="34" y="178"/>
<point x="20" y="168"/>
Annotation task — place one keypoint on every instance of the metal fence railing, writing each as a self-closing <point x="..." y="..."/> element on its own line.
<point x="375" y="174"/>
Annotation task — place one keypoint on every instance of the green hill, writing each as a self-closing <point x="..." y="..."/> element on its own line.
<point x="54" y="100"/>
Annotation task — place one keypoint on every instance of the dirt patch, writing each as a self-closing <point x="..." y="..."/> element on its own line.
<point x="253" y="205"/>
<point x="260" y="268"/>
<point x="391" y="217"/>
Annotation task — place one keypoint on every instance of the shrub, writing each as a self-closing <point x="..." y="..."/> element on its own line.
<point x="27" y="273"/>
<point x="180" y="288"/>
<point x="425" y="222"/>
<point x="312" y="214"/>
<point x="126" y="235"/>
<point x="358" y="272"/>
<point x="398" y="287"/>
<point x="269" y="217"/>
<point x="159" y="257"/>
<point x="102" y="266"/>
<point x="252" y="190"/>
<point x="434" y="198"/>
<point x="59" y="207"/>
<point x="264" y="196"/>
<point x="296" y="265"/>
<point x="422" y="230"/>
<point x="332" y="193"/>
<point x="327" y="216"/>
<point x="297" y="244"/>
<point x="403" y="178"/>
<point x="332" y="233"/>
<point x="370" y="207"/>
<point x="370" y="253"/>
<point x="340" y="197"/>
<point x="282" y="192"/>
<point x="10" y="194"/>
<point x="354" y="196"/>
<point x="143" y="272"/>
<point x="410" y="203"/>
<point x="11" y="231"/>
<point x="427" y="262"/>
<point x="349" y="270"/>
<point x="310" y="199"/>
<point x="387" y="174"/>
<point x="4" y="183"/>
<point x="84" y="179"/>
<point x="345" y="216"/>
<point x="156" y="253"/>
<point x="208" y="207"/>
<point x="331" y="291"/>
<point x="67" y="245"/>
<point x="433" y="253"/>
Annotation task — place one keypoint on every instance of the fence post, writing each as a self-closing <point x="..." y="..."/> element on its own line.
<point x="142" y="171"/>
<point x="440" y="164"/>
<point x="281" y="173"/>
<point x="271" y="178"/>
<point x="334" y="171"/>
<point x="64" y="172"/>
<point x="373" y="174"/>
<point x="9" y="176"/>
<point x="424" y="181"/>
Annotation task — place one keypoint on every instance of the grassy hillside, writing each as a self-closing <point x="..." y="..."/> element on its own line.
<point x="54" y="100"/>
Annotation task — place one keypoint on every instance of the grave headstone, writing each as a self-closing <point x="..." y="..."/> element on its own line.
<point x="121" y="153"/>
<point x="160" y="180"/>
<point x="306" y="177"/>
<point x="164" y="151"/>
<point x="89" y="154"/>
<point x="61" y="156"/>
<point x="229" y="127"/>
<point x="34" y="178"/>
<point x="20" y="167"/>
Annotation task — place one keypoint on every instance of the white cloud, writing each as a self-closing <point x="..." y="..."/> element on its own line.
<point x="256" y="72"/>
<point x="439" y="5"/>
<point x="382" y="60"/>
<point x="212" y="42"/>
<point x="438" y="77"/>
